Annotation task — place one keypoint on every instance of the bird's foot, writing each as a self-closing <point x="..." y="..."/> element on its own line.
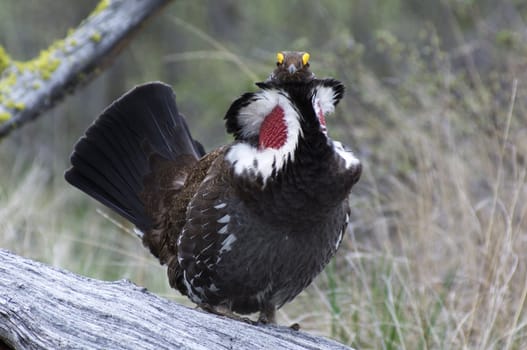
<point x="264" y="319"/>
<point x="268" y="316"/>
<point x="295" y="326"/>
<point x="225" y="312"/>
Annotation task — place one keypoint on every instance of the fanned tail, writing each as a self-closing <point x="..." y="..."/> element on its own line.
<point x="140" y="131"/>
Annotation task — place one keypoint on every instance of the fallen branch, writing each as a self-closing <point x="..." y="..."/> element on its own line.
<point x="27" y="89"/>
<point x="43" y="307"/>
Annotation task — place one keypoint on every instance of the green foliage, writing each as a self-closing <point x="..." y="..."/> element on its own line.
<point x="506" y="38"/>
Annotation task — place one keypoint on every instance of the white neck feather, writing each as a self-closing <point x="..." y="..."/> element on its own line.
<point x="324" y="98"/>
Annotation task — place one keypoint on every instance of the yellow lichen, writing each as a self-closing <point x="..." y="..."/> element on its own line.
<point x="96" y="37"/>
<point x="5" y="85"/>
<point x="4" y="59"/>
<point x="8" y="81"/>
<point x="18" y="106"/>
<point x="45" y="64"/>
<point x="100" y="6"/>
<point x="4" y="116"/>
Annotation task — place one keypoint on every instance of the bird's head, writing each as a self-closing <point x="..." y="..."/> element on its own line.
<point x="291" y="66"/>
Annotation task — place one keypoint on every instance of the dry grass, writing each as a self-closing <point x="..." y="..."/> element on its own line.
<point x="436" y="256"/>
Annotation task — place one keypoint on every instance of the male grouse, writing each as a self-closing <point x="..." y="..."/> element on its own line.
<point x="246" y="227"/>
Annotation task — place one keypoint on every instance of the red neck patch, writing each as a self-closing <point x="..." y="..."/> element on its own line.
<point x="321" y="115"/>
<point x="322" y="119"/>
<point x="273" y="132"/>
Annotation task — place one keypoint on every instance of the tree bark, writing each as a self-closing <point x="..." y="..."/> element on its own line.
<point x="43" y="307"/>
<point x="27" y="89"/>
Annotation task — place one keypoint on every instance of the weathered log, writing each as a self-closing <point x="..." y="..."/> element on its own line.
<point x="43" y="307"/>
<point x="27" y="89"/>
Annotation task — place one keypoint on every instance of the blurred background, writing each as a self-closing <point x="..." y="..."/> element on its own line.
<point x="435" y="107"/>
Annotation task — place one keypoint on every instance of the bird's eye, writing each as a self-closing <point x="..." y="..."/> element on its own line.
<point x="305" y="58"/>
<point x="279" y="58"/>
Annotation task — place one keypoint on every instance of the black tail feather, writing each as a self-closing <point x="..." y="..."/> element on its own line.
<point x="110" y="162"/>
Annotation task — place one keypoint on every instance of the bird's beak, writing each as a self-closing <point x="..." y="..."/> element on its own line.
<point x="291" y="68"/>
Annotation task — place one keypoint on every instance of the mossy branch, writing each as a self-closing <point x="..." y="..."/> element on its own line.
<point x="27" y="89"/>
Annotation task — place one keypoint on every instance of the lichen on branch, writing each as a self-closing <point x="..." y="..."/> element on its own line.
<point x="28" y="88"/>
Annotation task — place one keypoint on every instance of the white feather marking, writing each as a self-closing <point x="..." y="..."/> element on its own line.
<point x="213" y="288"/>
<point x="226" y="245"/>
<point x="347" y="219"/>
<point x="223" y="230"/>
<point x="183" y="231"/>
<point x="179" y="183"/>
<point x="220" y="206"/>
<point x="207" y="248"/>
<point x="325" y="97"/>
<point x="339" y="240"/>
<point x="347" y="156"/>
<point x="190" y="290"/>
<point x="208" y="177"/>
<point x="224" y="219"/>
<point x="252" y="160"/>
<point x="138" y="233"/>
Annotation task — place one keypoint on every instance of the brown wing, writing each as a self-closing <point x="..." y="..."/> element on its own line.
<point x="206" y="235"/>
<point x="162" y="186"/>
<point x="168" y="191"/>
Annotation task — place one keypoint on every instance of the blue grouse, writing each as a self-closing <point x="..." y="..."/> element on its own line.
<point x="243" y="228"/>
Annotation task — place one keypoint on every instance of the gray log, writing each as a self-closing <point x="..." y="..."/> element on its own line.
<point x="71" y="62"/>
<point x="43" y="307"/>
